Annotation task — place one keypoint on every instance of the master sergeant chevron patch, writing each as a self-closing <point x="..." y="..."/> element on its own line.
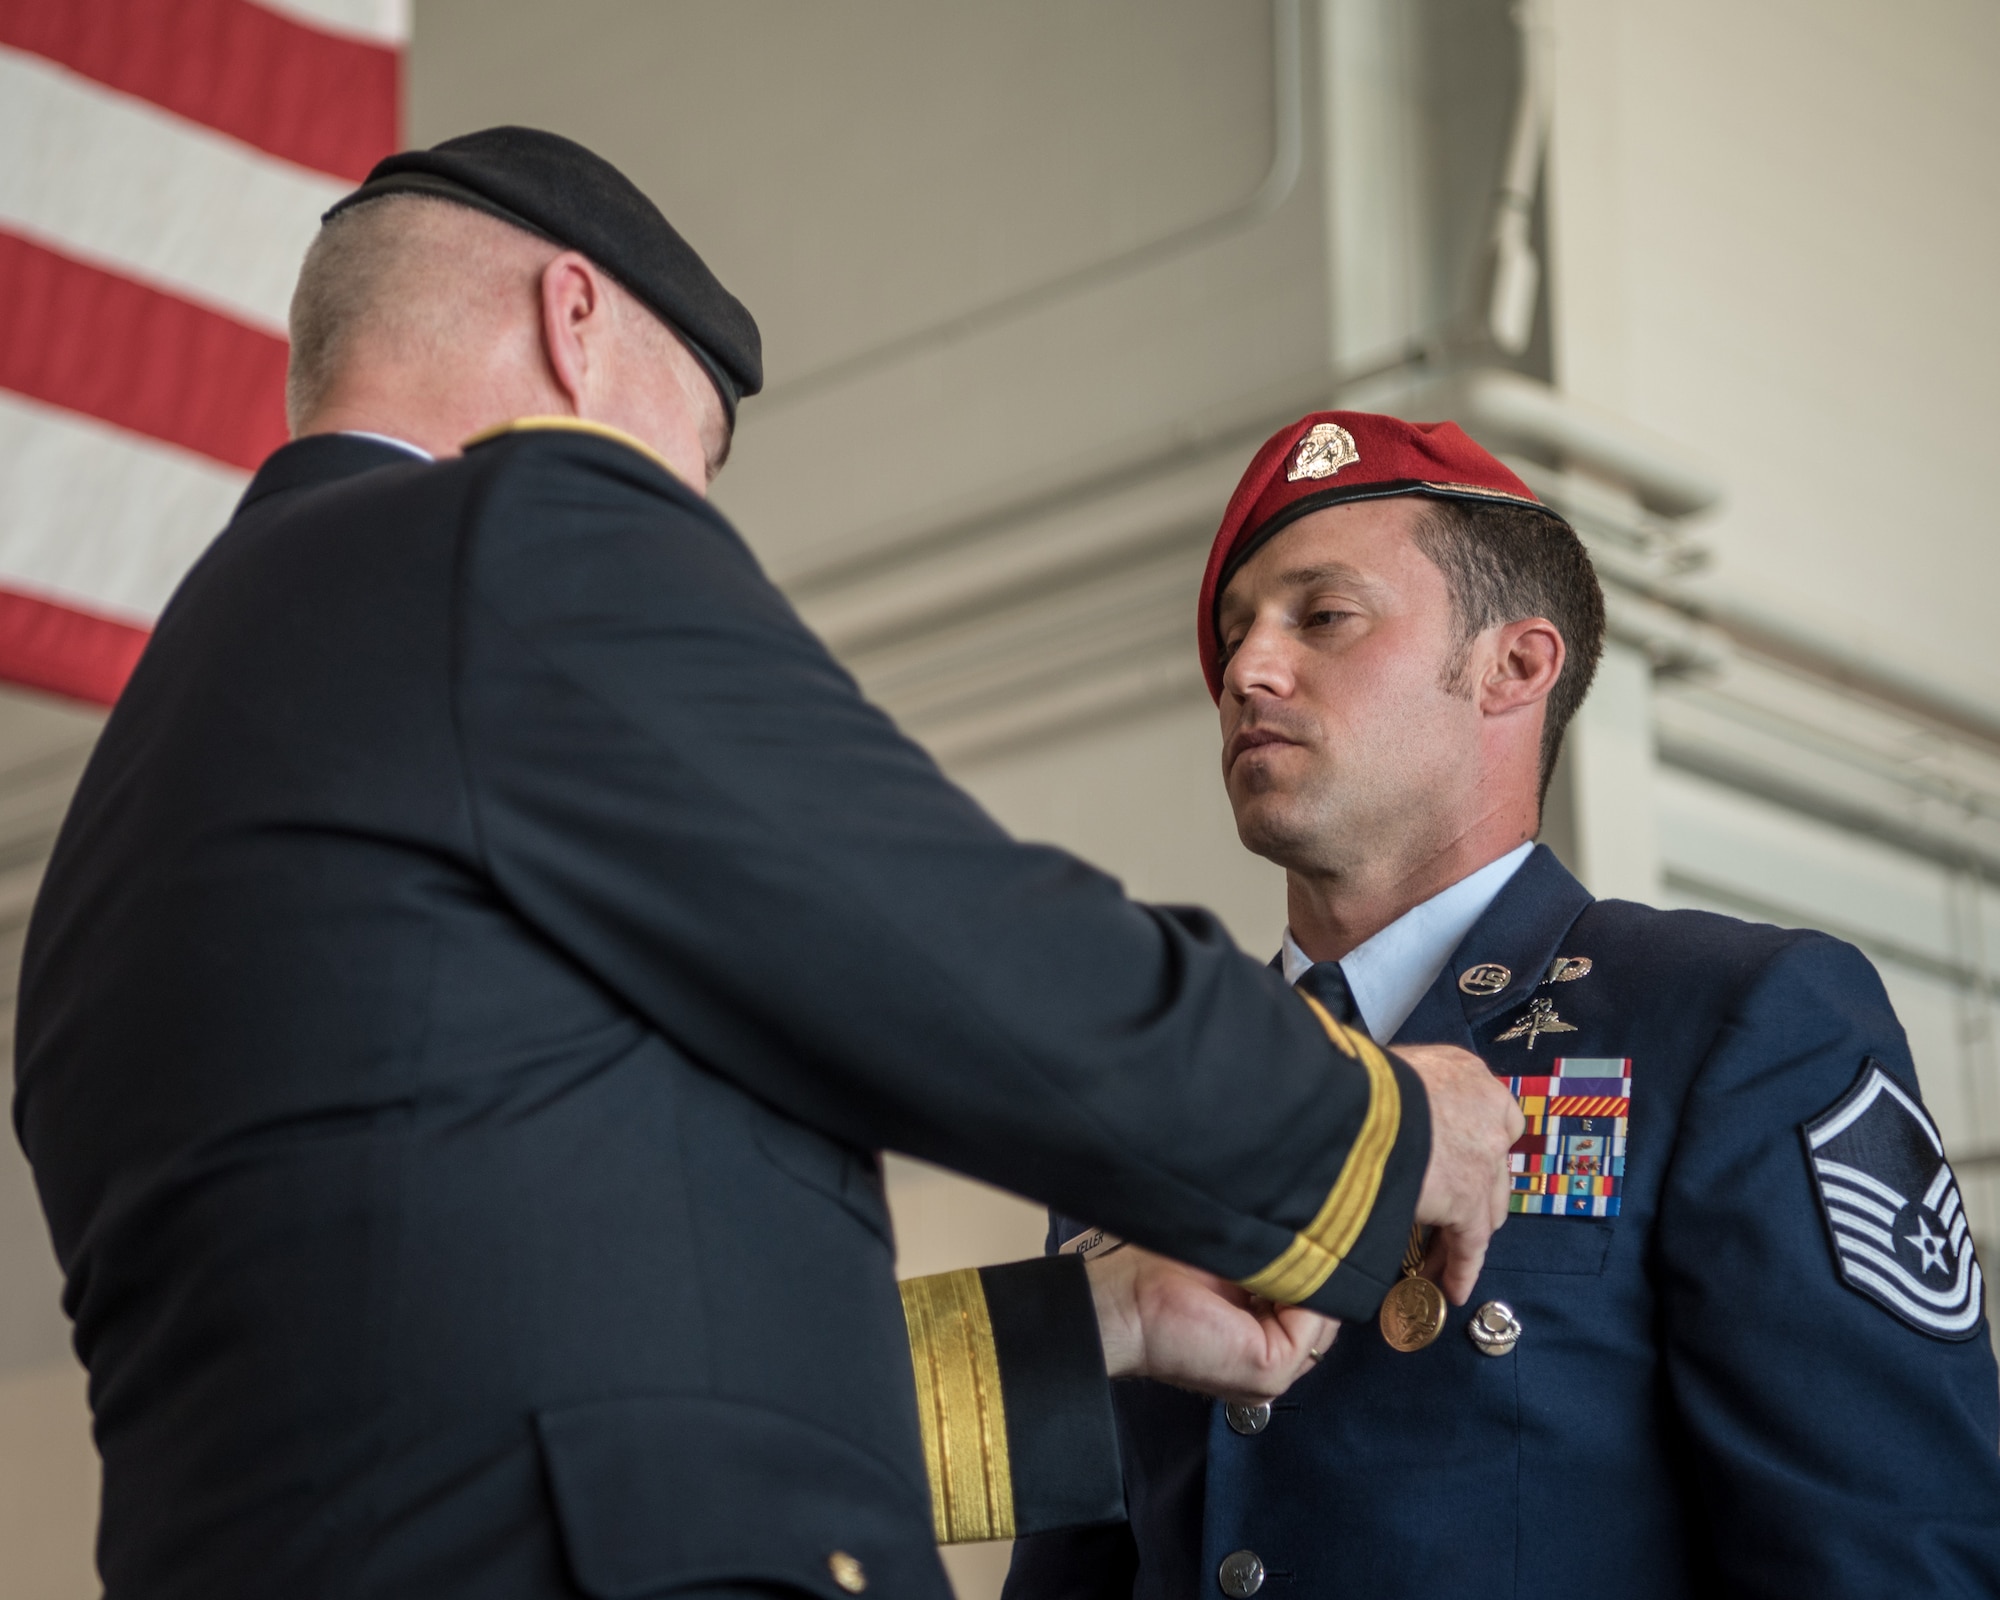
<point x="1892" y="1207"/>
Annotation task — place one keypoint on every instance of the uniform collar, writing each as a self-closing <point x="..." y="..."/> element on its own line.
<point x="1389" y="972"/>
<point x="322" y="458"/>
<point x="583" y="425"/>
<point x="1522" y="931"/>
<point x="389" y="439"/>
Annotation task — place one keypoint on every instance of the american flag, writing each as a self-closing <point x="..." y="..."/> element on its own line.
<point x="163" y="165"/>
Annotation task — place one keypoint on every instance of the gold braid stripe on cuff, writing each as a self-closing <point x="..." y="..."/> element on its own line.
<point x="1324" y="1242"/>
<point x="960" y="1411"/>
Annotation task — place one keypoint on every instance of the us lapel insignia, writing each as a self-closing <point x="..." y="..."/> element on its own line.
<point x="1323" y="452"/>
<point x="1892" y="1208"/>
<point x="1489" y="977"/>
<point x="1567" y="969"/>
<point x="1571" y="1160"/>
<point x="1541" y="1019"/>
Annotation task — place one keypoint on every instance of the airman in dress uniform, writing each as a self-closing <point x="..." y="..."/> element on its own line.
<point x="492" y="938"/>
<point x="1733" y="1341"/>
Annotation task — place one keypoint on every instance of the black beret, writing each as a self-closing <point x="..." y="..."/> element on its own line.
<point x="574" y="198"/>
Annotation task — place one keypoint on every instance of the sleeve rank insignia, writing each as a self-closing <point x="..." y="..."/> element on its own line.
<point x="1892" y="1207"/>
<point x="1571" y="1161"/>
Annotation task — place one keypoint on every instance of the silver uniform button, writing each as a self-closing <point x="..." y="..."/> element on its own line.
<point x="1494" y="1329"/>
<point x="1241" y="1574"/>
<point x="1249" y="1419"/>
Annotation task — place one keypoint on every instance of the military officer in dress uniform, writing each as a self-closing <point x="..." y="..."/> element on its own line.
<point x="489" y="943"/>
<point x="1733" y="1341"/>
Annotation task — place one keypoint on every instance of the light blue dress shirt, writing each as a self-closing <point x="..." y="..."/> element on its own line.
<point x="1389" y="973"/>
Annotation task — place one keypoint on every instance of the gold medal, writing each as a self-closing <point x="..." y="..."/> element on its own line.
<point x="1413" y="1315"/>
<point x="1413" y="1311"/>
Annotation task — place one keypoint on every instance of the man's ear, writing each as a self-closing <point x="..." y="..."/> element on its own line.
<point x="576" y="309"/>
<point x="1526" y="661"/>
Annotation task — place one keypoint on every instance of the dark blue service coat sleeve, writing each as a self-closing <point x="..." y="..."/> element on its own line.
<point x="1836" y="1449"/>
<point x="671" y="777"/>
<point x="1075" y="1564"/>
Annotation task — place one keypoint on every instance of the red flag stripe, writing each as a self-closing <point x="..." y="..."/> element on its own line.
<point x="309" y="97"/>
<point x="76" y="336"/>
<point x="65" y="651"/>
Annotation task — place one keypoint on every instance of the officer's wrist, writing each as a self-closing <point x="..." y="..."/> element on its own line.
<point x="1119" y="1329"/>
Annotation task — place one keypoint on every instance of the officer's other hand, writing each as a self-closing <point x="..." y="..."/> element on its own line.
<point x="1474" y="1121"/>
<point x="1162" y="1320"/>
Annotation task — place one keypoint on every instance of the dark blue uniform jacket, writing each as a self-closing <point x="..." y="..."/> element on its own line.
<point x="488" y="944"/>
<point x="1700" y="1403"/>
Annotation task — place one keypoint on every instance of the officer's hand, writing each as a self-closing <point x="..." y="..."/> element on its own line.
<point x="1162" y="1320"/>
<point x="1474" y="1120"/>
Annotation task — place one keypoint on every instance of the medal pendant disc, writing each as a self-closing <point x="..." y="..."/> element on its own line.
<point x="1413" y="1314"/>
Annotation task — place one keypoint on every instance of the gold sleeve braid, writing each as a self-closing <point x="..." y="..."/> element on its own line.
<point x="1323" y="1243"/>
<point x="960" y="1409"/>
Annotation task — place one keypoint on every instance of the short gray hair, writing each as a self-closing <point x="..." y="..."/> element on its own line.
<point x="341" y="277"/>
<point x="414" y="267"/>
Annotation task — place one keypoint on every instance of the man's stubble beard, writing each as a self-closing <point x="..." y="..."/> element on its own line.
<point x="1383" y="798"/>
<point x="1323" y="828"/>
<point x="1369" y="810"/>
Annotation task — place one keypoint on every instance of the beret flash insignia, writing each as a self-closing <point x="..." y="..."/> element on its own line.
<point x="1323" y="452"/>
<point x="1892" y="1207"/>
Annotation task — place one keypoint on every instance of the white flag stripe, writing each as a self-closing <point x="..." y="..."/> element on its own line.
<point x="1943" y="1299"/>
<point x="1830" y="1168"/>
<point x="1835" y="1195"/>
<point x="1950" y="1207"/>
<point x="1935" y="1193"/>
<point x="112" y="180"/>
<point x="1848" y="1222"/>
<point x="1955" y="1322"/>
<point x="100" y="519"/>
<point x="384" y="22"/>
<point x="1957" y="1225"/>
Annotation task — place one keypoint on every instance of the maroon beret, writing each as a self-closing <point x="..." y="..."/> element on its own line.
<point x="1330" y="457"/>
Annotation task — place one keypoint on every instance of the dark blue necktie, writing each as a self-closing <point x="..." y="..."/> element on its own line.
<point x="1327" y="984"/>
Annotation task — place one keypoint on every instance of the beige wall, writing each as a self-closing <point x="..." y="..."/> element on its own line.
<point x="48" y="1471"/>
<point x="1778" y="228"/>
<point x="48" y="1485"/>
<point x="864" y="174"/>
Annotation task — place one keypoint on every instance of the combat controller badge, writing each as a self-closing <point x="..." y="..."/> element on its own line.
<point x="1541" y="1019"/>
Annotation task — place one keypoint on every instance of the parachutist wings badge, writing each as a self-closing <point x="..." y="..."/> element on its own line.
<point x="1892" y="1207"/>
